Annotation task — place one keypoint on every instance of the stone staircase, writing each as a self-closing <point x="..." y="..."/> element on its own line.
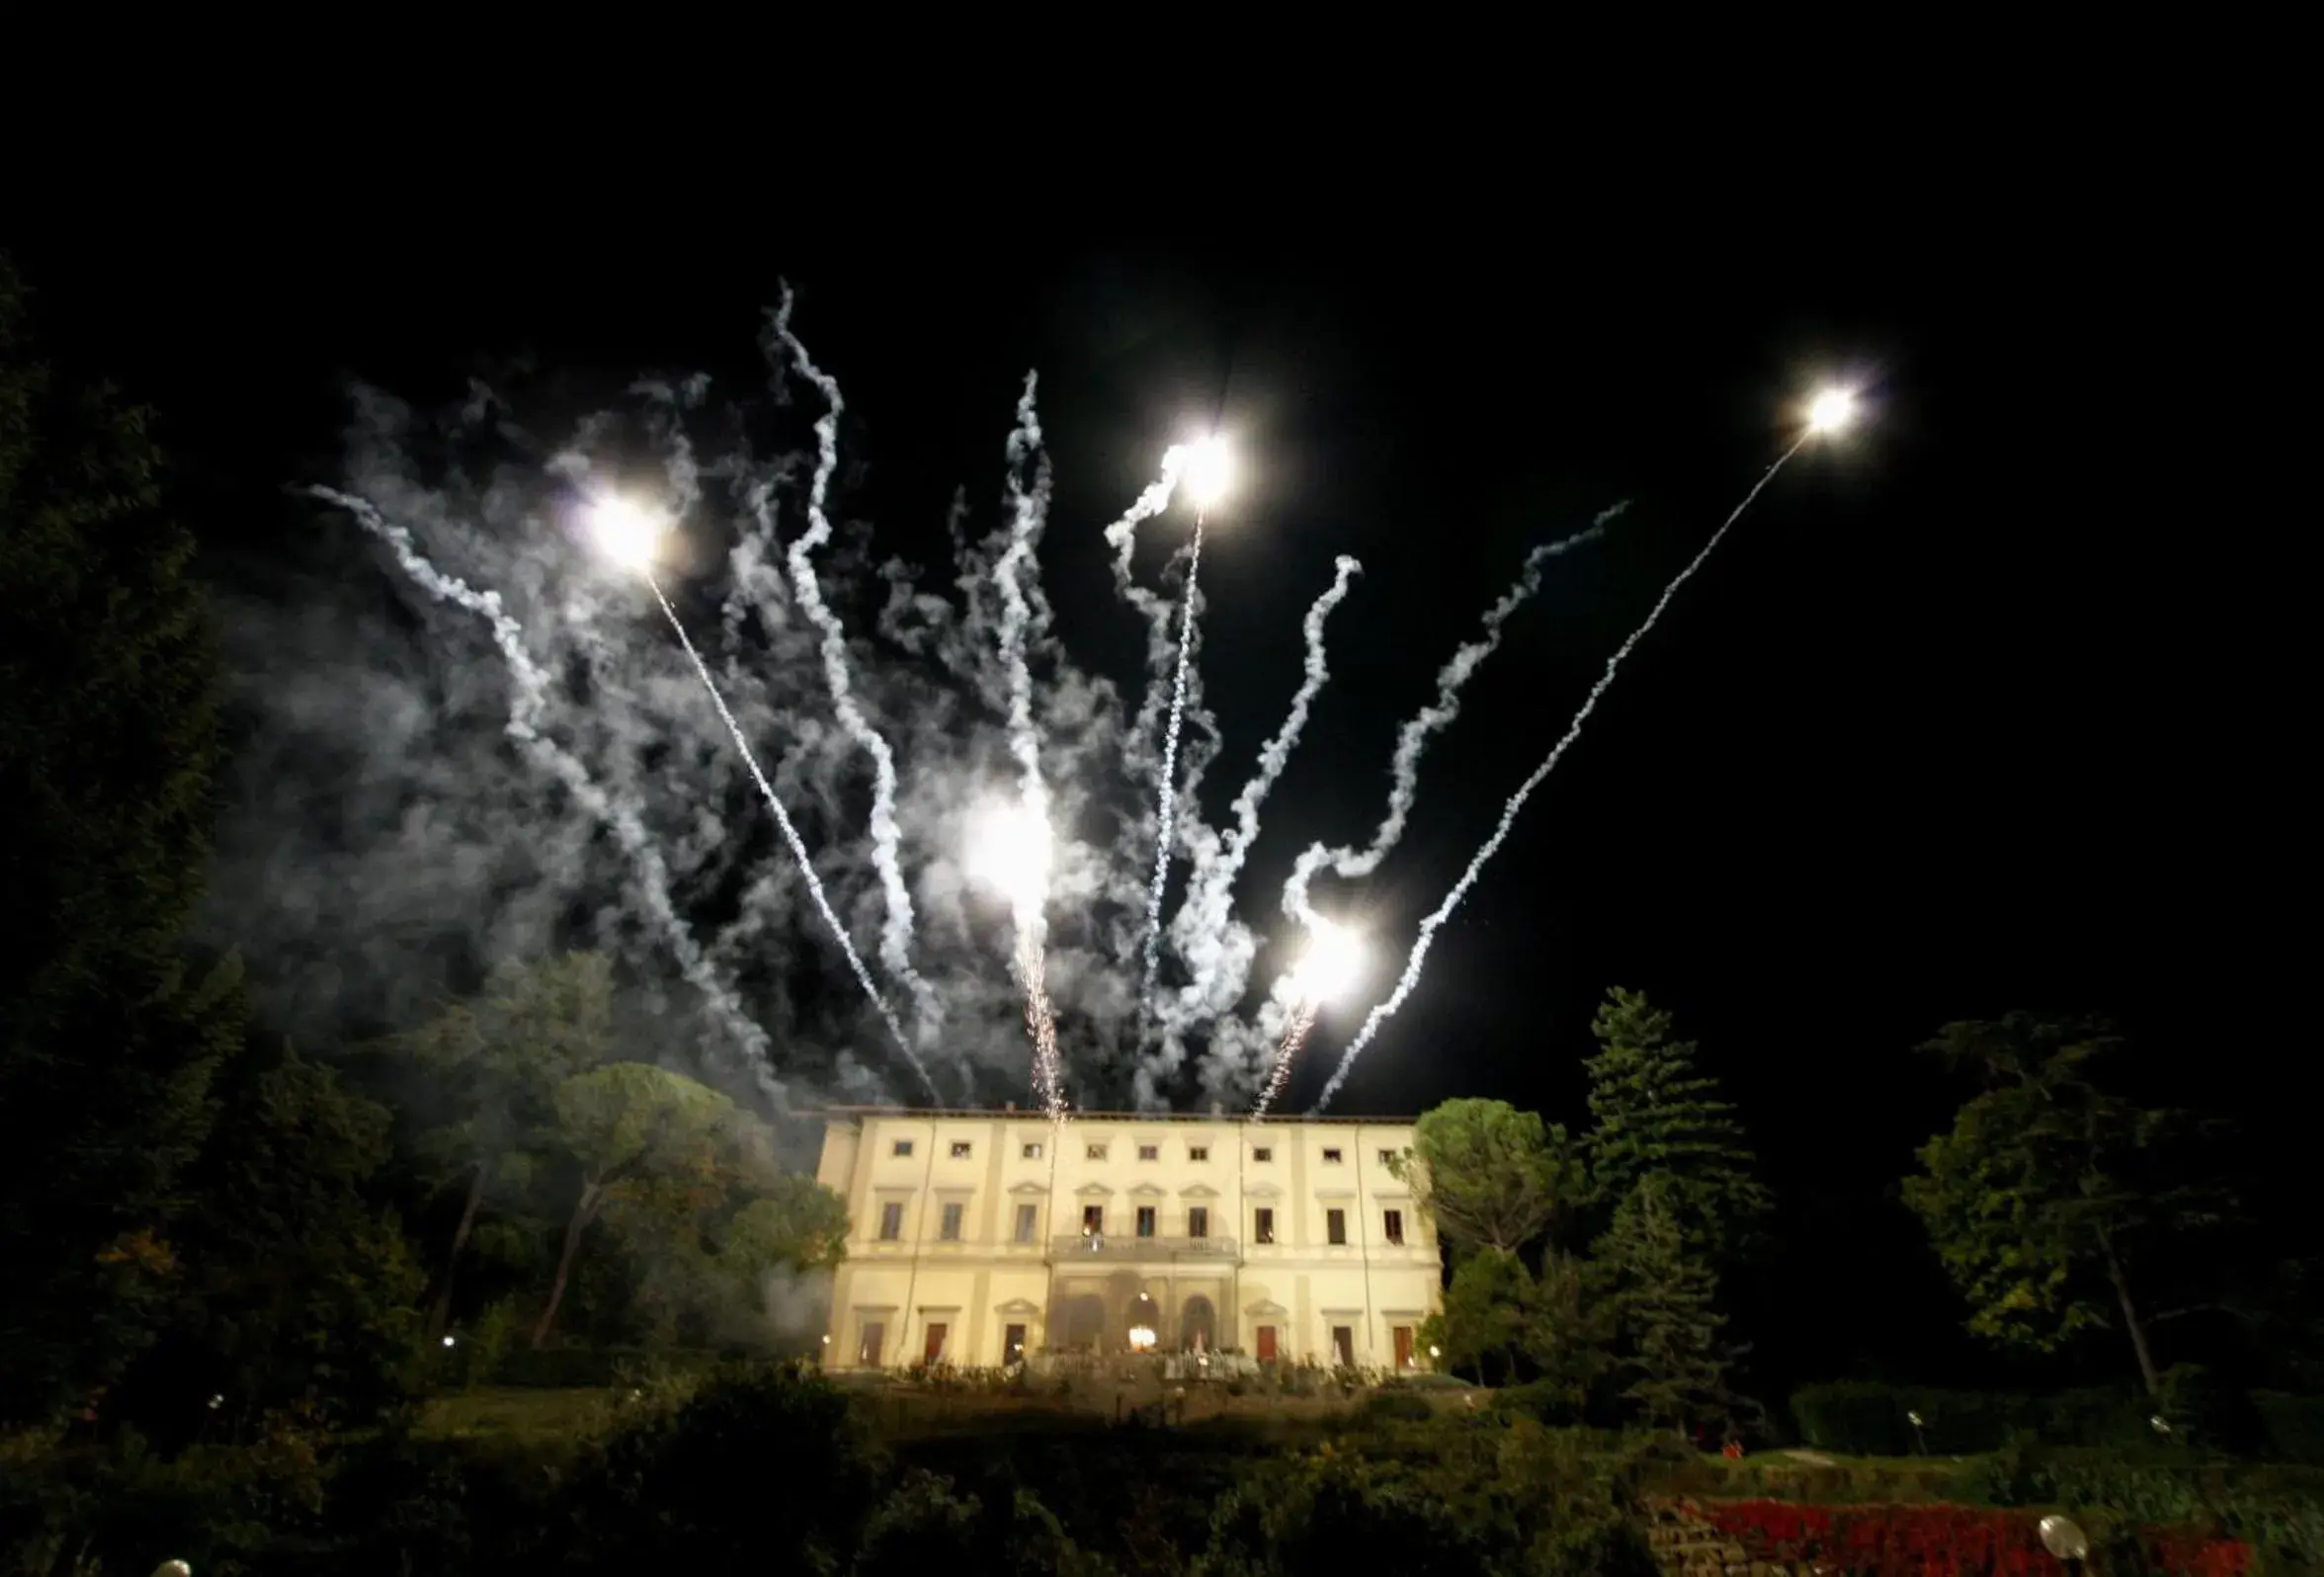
<point x="1685" y="1544"/>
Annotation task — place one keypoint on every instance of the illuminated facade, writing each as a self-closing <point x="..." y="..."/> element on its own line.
<point x="979" y="1237"/>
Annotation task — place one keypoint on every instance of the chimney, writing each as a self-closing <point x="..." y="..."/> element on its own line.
<point x="1009" y="1106"/>
<point x="1218" y="1109"/>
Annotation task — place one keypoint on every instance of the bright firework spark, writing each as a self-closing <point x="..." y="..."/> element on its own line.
<point x="1009" y="852"/>
<point x="631" y="535"/>
<point x="626" y="533"/>
<point x="1831" y="411"/>
<point x="1331" y="967"/>
<point x="1209" y="472"/>
<point x="1509" y="812"/>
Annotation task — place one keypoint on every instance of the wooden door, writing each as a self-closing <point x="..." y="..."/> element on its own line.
<point x="1344" y="1344"/>
<point x="1403" y="1335"/>
<point x="936" y="1342"/>
<point x="1266" y="1344"/>
<point x="1012" y="1344"/>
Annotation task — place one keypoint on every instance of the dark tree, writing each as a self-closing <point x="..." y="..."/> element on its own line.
<point x="107" y="744"/>
<point x="297" y="1287"/>
<point x="1658" y="1116"/>
<point x="1665" y="1296"/>
<point x="2049" y="1193"/>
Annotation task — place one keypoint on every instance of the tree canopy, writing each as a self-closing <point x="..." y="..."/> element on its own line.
<point x="2049" y="1191"/>
<point x="1655" y="1115"/>
<point x="1490" y="1176"/>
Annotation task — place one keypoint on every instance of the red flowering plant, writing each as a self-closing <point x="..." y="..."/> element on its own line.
<point x="1934" y="1541"/>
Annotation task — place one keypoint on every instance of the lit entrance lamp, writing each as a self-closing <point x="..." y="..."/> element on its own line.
<point x="2064" y="1537"/>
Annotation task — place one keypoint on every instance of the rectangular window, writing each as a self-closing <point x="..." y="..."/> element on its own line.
<point x="1033" y="1152"/>
<point x="961" y="1149"/>
<point x="1331" y="1157"/>
<point x="1198" y="1220"/>
<point x="1150" y="1152"/>
<point x="1335" y="1226"/>
<point x="950" y="1227"/>
<point x="1388" y="1158"/>
<point x="1267" y="1348"/>
<point x="1027" y="1218"/>
<point x="1093" y="1221"/>
<point x="1263" y="1224"/>
<point x="1393" y="1225"/>
<point x="1096" y="1152"/>
<point x="868" y="1350"/>
<point x="1402" y="1336"/>
<point x="891" y="1221"/>
<point x="1198" y="1152"/>
<point x="933" y="1353"/>
<point x="902" y="1147"/>
<point x="1344" y="1344"/>
<point x="1262" y="1152"/>
<point x="1146" y="1221"/>
<point x="1013" y="1344"/>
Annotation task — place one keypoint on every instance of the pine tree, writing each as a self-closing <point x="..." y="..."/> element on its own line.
<point x="1665" y="1297"/>
<point x="108" y="738"/>
<point x="1658" y="1118"/>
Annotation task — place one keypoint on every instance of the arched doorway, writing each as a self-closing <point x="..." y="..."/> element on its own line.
<point x="1142" y="1324"/>
<point x="1079" y="1323"/>
<point x="1198" y="1325"/>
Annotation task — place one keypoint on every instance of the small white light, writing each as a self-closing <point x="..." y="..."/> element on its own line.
<point x="1436" y="1351"/>
<point x="1831" y="411"/>
<point x="1914" y="1419"/>
<point x="216" y="1402"/>
<point x="826" y="1341"/>
<point x="449" y="1340"/>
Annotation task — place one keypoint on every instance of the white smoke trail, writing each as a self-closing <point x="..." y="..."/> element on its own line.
<point x="1165" y="809"/>
<point x="895" y="937"/>
<point x="1028" y="512"/>
<point x="1204" y="932"/>
<point x="1429" y="926"/>
<point x="798" y="847"/>
<point x="1413" y="737"/>
<point x="524" y="727"/>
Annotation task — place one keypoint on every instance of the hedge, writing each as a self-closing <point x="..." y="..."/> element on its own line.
<point x="593" y="1367"/>
<point x="1870" y="1419"/>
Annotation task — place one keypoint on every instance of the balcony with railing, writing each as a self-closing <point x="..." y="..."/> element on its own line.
<point x="1129" y="1249"/>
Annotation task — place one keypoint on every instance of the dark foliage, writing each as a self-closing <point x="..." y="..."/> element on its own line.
<point x="107" y="744"/>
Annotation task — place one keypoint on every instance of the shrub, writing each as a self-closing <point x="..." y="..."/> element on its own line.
<point x="595" y="1367"/>
<point x="2291" y="1426"/>
<point x="1394" y="1406"/>
<point x="1869" y="1419"/>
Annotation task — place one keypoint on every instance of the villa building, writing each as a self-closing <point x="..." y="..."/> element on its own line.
<point x="978" y="1238"/>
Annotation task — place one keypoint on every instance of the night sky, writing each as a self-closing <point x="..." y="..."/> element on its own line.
<point x="1957" y="720"/>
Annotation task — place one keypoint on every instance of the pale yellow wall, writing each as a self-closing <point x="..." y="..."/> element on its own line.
<point x="977" y="1285"/>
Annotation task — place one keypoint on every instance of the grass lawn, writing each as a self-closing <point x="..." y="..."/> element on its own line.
<point x="533" y="1418"/>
